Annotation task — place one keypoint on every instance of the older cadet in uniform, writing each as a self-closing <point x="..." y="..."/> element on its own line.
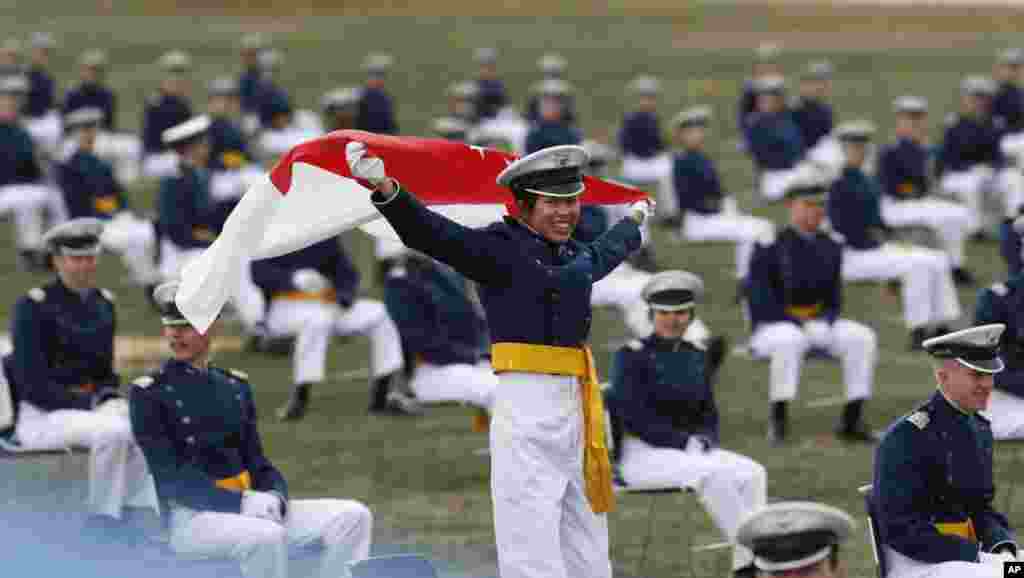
<point x="91" y="190"/>
<point x="930" y="301"/>
<point x="709" y="215"/>
<point x="552" y="128"/>
<point x="907" y="199"/>
<point x="340" y="108"/>
<point x="811" y="111"/>
<point x="222" y="496"/>
<point x="312" y="294"/>
<point x="969" y="156"/>
<point x="42" y="120"/>
<point x="774" y="139"/>
<point x="1004" y="303"/>
<point x="443" y="332"/>
<point x="22" y="191"/>
<point x="547" y="421"/>
<point x="553" y="66"/>
<point x="250" y="78"/>
<point x="933" y="484"/>
<point x="167" y="108"/>
<point x="794" y="308"/>
<point x="662" y="393"/>
<point x="797" y="539"/>
<point x="645" y="160"/>
<point x="1008" y="102"/>
<point x="766" y="63"/>
<point x="62" y="374"/>
<point x="376" y="108"/>
<point x="491" y="97"/>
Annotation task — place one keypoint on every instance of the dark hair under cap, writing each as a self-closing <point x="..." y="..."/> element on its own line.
<point x="671" y="297"/>
<point x="561" y="181"/>
<point x="789" y="547"/>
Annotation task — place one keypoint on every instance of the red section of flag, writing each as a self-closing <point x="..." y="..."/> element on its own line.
<point x="437" y="171"/>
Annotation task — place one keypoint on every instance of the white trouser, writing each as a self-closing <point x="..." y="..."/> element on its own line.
<point x="728" y="226"/>
<point x="230" y="185"/>
<point x="1006" y="412"/>
<point x="973" y="188"/>
<point x="786" y="344"/>
<point x="159" y="165"/>
<point x="729" y="485"/>
<point x="657" y="171"/>
<point x="929" y="295"/>
<point x="460" y="382"/>
<point x="543" y="522"/>
<point x="123" y="150"/>
<point x="135" y="240"/>
<point x="273" y="143"/>
<point x="343" y="527"/>
<point x="118" y="476"/>
<point x="247" y="298"/>
<point x="313" y="323"/>
<point x="45" y="131"/>
<point x="901" y="566"/>
<point x="623" y="288"/>
<point x="26" y="202"/>
<point x="951" y="222"/>
<point x="1012" y="176"/>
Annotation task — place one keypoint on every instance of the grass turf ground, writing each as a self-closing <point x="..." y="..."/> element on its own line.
<point x="428" y="490"/>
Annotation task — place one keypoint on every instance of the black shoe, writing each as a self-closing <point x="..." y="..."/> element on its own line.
<point x="964" y="278"/>
<point x="672" y="223"/>
<point x="777" y="424"/>
<point x="746" y="572"/>
<point x="859" y="434"/>
<point x="295" y="409"/>
<point x="917" y="337"/>
<point x="398" y="404"/>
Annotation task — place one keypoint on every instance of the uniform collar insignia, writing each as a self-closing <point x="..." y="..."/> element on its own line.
<point x="919" y="419"/>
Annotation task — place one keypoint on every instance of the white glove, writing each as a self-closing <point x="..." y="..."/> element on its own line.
<point x="262" y="505"/>
<point x="363" y="167"/>
<point x="114" y="406"/>
<point x="640" y="210"/>
<point x="309" y="281"/>
<point x="1003" y="556"/>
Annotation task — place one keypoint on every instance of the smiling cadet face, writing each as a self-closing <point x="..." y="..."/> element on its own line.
<point x="968" y="388"/>
<point x="554" y="218"/>
<point x="187" y="344"/>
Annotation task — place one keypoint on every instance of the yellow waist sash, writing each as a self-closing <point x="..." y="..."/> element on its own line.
<point x="106" y="204"/>
<point x="579" y="362"/>
<point x="239" y="483"/>
<point x="963" y="529"/>
<point x="325" y="296"/>
<point x="805" y="312"/>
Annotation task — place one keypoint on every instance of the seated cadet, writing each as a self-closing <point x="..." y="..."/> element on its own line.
<point x="123" y="150"/>
<point x="797" y="539"/>
<point x="42" y="120"/>
<point x="280" y="130"/>
<point x="907" y="199"/>
<point x="376" y="108"/>
<point x="312" y="294"/>
<point x="491" y="97"/>
<point x="795" y="308"/>
<point x="1004" y="303"/>
<point x="221" y="495"/>
<point x="933" y="484"/>
<point x="232" y="167"/>
<point x="661" y="392"/>
<point x="811" y="111"/>
<point x="462" y="101"/>
<point x="775" y="142"/>
<point x="552" y="128"/>
<point x="22" y="189"/>
<point x="930" y="301"/>
<point x="169" y="107"/>
<point x="250" y="78"/>
<point x="63" y="379"/>
<point x="969" y="157"/>
<point x="1008" y="102"/>
<point x="91" y="190"/>
<point x="443" y="331"/>
<point x="1011" y="244"/>
<point x="645" y="160"/>
<point x="552" y="67"/>
<point x="340" y="108"/>
<point x="709" y="215"/>
<point x="766" y="63"/>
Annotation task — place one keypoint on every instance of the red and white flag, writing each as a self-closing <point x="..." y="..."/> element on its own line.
<point x="310" y="195"/>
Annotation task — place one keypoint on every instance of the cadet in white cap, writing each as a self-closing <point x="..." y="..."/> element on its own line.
<point x="550" y="498"/>
<point x="766" y="63"/>
<point x="774" y="140"/>
<point x="232" y="164"/>
<point x="62" y="370"/>
<point x="1008" y="103"/>
<point x="250" y="78"/>
<point x="645" y="159"/>
<point x="462" y="97"/>
<point x="797" y="539"/>
<point x="169" y="107"/>
<point x="552" y="127"/>
<point x="552" y="67"/>
<point x="42" y="119"/>
<point x="930" y="301"/>
<point x="222" y="496"/>
<point x="663" y="396"/>
<point x="23" y="192"/>
<point x="933" y="487"/>
<point x="1000" y="303"/>
<point x="969" y="154"/>
<point x="491" y="96"/>
<point x="907" y="196"/>
<point x="340" y="108"/>
<point x="376" y="108"/>
<point x="810" y="109"/>
<point x="708" y="212"/>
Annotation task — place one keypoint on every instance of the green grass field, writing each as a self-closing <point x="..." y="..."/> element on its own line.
<point x="428" y="490"/>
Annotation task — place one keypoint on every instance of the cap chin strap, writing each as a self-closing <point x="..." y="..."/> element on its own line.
<point x="556" y="195"/>
<point x="682" y="307"/>
<point x="769" y="566"/>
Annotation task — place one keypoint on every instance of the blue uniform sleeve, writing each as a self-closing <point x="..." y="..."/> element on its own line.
<point x="635" y="400"/>
<point x="834" y="302"/>
<point x="75" y="191"/>
<point x="889" y="172"/>
<point x="1010" y="247"/>
<point x="180" y="218"/>
<point x="766" y="305"/>
<point x="36" y="381"/>
<point x="612" y="248"/>
<point x="151" y="142"/>
<point x="904" y="500"/>
<point x="344" y="276"/>
<point x="177" y="479"/>
<point x="265" y="477"/>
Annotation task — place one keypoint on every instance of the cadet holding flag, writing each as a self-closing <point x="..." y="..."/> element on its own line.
<point x="551" y="479"/>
